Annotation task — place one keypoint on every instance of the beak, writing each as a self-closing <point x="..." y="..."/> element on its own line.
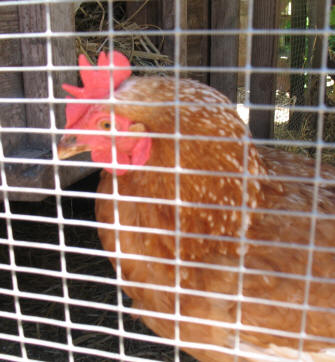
<point x="68" y="147"/>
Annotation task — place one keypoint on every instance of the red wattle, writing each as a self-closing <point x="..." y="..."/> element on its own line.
<point x="141" y="152"/>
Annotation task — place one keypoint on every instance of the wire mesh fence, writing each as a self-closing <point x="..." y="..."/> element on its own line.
<point x="222" y="245"/>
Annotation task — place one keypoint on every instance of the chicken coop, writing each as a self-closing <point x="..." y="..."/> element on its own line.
<point x="210" y="233"/>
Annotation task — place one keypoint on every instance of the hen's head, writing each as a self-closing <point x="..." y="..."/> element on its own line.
<point x="96" y="85"/>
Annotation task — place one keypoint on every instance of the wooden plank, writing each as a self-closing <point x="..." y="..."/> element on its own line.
<point x="11" y="115"/>
<point x="32" y="19"/>
<point x="317" y="19"/>
<point x="224" y="49"/>
<point x="40" y="176"/>
<point x="298" y="50"/>
<point x="264" y="54"/>
<point x="198" y="45"/>
<point x="63" y="53"/>
<point x="32" y="52"/>
<point x="144" y="12"/>
<point x="167" y="19"/>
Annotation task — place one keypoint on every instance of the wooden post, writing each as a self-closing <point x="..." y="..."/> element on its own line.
<point x="32" y="52"/>
<point x="317" y="18"/>
<point x="11" y="115"/>
<point x="168" y="22"/>
<point x="32" y="19"/>
<point x="143" y="11"/>
<point x="225" y="14"/>
<point x="198" y="45"/>
<point x="264" y="54"/>
<point x="298" y="50"/>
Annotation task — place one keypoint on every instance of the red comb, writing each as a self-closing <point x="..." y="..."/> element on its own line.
<point x="96" y="83"/>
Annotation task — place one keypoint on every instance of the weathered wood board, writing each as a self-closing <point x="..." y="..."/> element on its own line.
<point x="32" y="52"/>
<point x="264" y="54"/>
<point x="224" y="51"/>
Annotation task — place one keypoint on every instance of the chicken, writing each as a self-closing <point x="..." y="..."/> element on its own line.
<point x="226" y="222"/>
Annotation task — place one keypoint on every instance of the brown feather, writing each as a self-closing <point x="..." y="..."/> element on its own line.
<point x="215" y="119"/>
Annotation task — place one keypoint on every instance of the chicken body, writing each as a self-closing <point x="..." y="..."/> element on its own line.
<point x="215" y="120"/>
<point x="228" y="223"/>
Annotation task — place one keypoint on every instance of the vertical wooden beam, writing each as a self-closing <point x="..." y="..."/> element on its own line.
<point x="168" y="23"/>
<point x="143" y="11"/>
<point x="32" y="19"/>
<point x="62" y="17"/>
<point x="317" y="13"/>
<point x="225" y="14"/>
<point x="11" y="115"/>
<point x="298" y="50"/>
<point x="32" y="52"/>
<point x="198" y="45"/>
<point x="264" y="54"/>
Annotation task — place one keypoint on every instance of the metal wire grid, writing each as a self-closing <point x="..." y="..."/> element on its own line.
<point x="62" y="248"/>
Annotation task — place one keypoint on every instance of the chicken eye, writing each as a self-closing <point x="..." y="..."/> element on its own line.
<point x="105" y="125"/>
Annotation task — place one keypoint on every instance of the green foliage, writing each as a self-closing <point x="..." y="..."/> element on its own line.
<point x="332" y="25"/>
<point x="332" y="17"/>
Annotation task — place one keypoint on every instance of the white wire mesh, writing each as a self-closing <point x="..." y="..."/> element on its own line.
<point x="20" y="339"/>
